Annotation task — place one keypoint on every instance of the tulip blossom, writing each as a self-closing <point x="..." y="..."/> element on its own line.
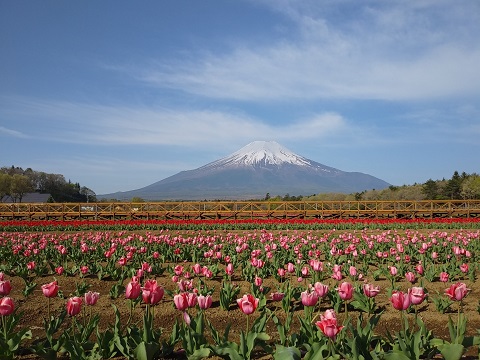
<point x="181" y="301"/>
<point x="133" y="289"/>
<point x="370" y="290"/>
<point x="290" y="268"/>
<point x="59" y="270"/>
<point x="91" y="298"/>
<point x="309" y="298"/>
<point x="457" y="291"/>
<point x="444" y="277"/>
<point x="393" y="270"/>
<point x="6" y="306"/>
<point x="277" y="296"/>
<point x="464" y="268"/>
<point x="74" y="305"/>
<point x="400" y="300"/>
<point x="204" y="301"/>
<point x="191" y="299"/>
<point x="328" y="314"/>
<point x="5" y="287"/>
<point x="328" y="325"/>
<point x="50" y="290"/>
<point x="248" y="304"/>
<point x="410" y="277"/>
<point x="152" y="293"/>
<point x="417" y="295"/>
<point x="320" y="289"/>
<point x="345" y="291"/>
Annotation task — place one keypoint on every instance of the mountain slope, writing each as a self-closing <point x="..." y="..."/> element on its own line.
<point x="249" y="173"/>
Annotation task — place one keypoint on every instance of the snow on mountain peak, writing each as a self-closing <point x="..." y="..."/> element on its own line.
<point x="265" y="153"/>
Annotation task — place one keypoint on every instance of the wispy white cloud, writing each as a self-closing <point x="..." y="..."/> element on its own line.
<point x="395" y="51"/>
<point x="13" y="133"/>
<point x="120" y="125"/>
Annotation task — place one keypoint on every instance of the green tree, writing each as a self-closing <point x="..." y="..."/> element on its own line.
<point x="430" y="189"/>
<point x="453" y="187"/>
<point x="5" y="182"/>
<point x="471" y="187"/>
<point x="19" y="186"/>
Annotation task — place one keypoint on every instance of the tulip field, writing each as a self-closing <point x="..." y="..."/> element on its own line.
<point x="218" y="289"/>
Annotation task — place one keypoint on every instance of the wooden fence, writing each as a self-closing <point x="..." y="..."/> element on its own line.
<point x="241" y="210"/>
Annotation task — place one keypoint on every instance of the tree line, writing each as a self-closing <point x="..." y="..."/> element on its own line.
<point x="459" y="187"/>
<point x="16" y="182"/>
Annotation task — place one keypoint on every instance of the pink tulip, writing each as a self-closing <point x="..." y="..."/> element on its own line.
<point x="393" y="270"/>
<point x="464" y="268"/>
<point x="91" y="298"/>
<point x="345" y="291"/>
<point x="321" y="289"/>
<point x="417" y="295"/>
<point x="50" y="290"/>
<point x="400" y="300"/>
<point x="7" y="306"/>
<point x="457" y="291"/>
<point x="152" y="293"/>
<point x="329" y="314"/>
<point x="229" y="269"/>
<point x="305" y="271"/>
<point x="191" y="299"/>
<point x="204" y="302"/>
<point x="197" y="269"/>
<point x="444" y="277"/>
<point x="133" y="289"/>
<point x="281" y="272"/>
<point x="248" y="304"/>
<point x="410" y="277"/>
<point x="31" y="265"/>
<point x="353" y="271"/>
<point x="258" y="281"/>
<point x="290" y="268"/>
<point x="74" y="305"/>
<point x="419" y="269"/>
<point x="5" y="287"/>
<point x="277" y="296"/>
<point x="370" y="290"/>
<point x="59" y="270"/>
<point x="309" y="298"/>
<point x="180" y="301"/>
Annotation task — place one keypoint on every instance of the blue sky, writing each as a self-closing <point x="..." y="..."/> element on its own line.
<point x="119" y="94"/>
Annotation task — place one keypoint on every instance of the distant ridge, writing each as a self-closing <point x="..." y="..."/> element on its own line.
<point x="258" y="168"/>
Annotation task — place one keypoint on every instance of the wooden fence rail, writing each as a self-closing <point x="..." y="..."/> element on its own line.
<point x="426" y="209"/>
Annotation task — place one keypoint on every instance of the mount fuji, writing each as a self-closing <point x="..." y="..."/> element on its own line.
<point x="258" y="168"/>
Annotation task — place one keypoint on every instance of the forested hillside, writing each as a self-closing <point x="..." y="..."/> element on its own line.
<point x="15" y="182"/>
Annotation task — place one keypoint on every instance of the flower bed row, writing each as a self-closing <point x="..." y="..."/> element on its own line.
<point x="318" y="291"/>
<point x="267" y="224"/>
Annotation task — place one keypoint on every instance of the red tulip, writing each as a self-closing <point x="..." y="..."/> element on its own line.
<point x="417" y="295"/>
<point x="6" y="306"/>
<point x="91" y="297"/>
<point x="5" y="287"/>
<point x="50" y="290"/>
<point x="345" y="291"/>
<point x="328" y="324"/>
<point x="457" y="291"/>
<point x="400" y="300"/>
<point x="248" y="304"/>
<point x="74" y="305"/>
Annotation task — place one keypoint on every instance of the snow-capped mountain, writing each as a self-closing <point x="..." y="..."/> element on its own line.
<point x="262" y="153"/>
<point x="258" y="168"/>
